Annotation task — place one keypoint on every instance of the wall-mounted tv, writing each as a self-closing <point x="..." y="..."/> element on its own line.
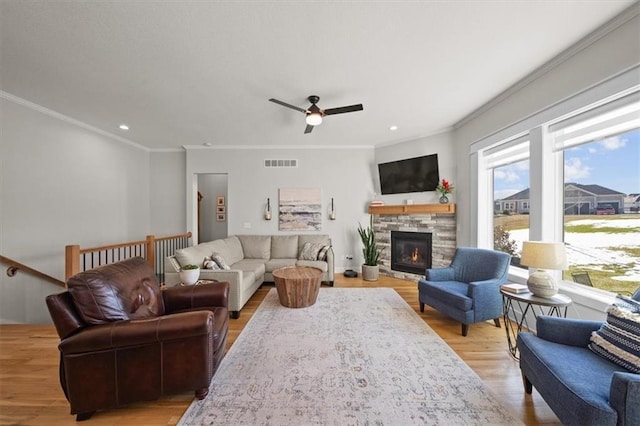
<point x="410" y="175"/>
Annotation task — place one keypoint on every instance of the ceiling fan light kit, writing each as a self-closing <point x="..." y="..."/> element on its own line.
<point x="314" y="118"/>
<point x="313" y="114"/>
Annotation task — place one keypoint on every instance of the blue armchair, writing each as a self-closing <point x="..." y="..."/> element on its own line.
<point x="469" y="289"/>
<point x="581" y="387"/>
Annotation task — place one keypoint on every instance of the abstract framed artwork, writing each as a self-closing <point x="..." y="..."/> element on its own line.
<point x="300" y="209"/>
<point x="221" y="217"/>
<point x="220" y="201"/>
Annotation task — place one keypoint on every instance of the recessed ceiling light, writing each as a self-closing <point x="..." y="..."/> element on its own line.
<point x="123" y="127"/>
<point x="393" y="128"/>
<point x="207" y="144"/>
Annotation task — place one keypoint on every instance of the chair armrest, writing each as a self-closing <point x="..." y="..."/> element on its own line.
<point x="183" y="298"/>
<point x="122" y="334"/>
<point x="624" y="395"/>
<point x="439" y="274"/>
<point x="567" y="331"/>
<point x="487" y="300"/>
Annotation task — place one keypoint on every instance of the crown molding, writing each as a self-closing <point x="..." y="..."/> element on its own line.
<point x="272" y="147"/>
<point x="600" y="32"/>
<point x="51" y="113"/>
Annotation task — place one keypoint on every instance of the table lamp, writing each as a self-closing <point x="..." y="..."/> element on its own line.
<point x="543" y="256"/>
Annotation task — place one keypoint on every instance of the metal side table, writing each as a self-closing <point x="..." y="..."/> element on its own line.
<point x="516" y="306"/>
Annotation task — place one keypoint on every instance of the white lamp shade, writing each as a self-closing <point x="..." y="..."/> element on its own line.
<point x="314" y="118"/>
<point x="544" y="255"/>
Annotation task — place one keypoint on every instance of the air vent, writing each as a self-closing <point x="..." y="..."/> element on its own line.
<point x="280" y="164"/>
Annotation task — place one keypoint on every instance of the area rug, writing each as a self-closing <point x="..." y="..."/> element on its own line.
<point x="358" y="356"/>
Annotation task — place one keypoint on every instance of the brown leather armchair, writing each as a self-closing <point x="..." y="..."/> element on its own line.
<point x="123" y="339"/>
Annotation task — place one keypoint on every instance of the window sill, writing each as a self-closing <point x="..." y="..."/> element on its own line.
<point x="592" y="298"/>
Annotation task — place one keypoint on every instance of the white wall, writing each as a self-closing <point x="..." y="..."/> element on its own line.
<point x="441" y="144"/>
<point x="341" y="173"/>
<point x="61" y="184"/>
<point x="167" y="197"/>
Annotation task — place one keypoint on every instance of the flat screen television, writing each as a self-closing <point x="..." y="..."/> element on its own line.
<point x="410" y="175"/>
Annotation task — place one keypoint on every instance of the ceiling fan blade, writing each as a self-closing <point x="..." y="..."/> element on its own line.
<point x="284" y="104"/>
<point x="308" y="129"/>
<point x="342" y="110"/>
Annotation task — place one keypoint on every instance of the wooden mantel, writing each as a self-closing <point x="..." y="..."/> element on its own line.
<point x="448" y="208"/>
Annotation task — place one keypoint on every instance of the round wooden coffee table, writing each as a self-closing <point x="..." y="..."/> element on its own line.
<point x="297" y="286"/>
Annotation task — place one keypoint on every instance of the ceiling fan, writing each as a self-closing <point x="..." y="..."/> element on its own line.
<point x="314" y="114"/>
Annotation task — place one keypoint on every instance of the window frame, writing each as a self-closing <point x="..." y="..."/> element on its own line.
<point x="546" y="213"/>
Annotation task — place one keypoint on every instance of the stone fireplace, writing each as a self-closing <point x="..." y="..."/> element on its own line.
<point x="439" y="220"/>
<point x="410" y="251"/>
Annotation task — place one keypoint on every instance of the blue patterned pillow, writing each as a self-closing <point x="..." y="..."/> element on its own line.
<point x="618" y="340"/>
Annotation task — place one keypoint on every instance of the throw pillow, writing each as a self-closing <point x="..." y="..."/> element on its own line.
<point x="322" y="254"/>
<point x="210" y="264"/>
<point x="219" y="260"/>
<point x="618" y="340"/>
<point x="310" y="251"/>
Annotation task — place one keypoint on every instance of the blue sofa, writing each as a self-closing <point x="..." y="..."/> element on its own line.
<point x="581" y="387"/>
<point x="469" y="289"/>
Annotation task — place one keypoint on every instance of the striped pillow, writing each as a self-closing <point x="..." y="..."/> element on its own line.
<point x="618" y="340"/>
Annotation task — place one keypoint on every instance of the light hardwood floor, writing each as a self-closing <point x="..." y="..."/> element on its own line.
<point x="30" y="393"/>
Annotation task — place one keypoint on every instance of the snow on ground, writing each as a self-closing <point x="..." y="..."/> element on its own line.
<point x="592" y="248"/>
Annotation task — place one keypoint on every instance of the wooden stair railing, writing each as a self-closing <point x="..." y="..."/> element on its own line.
<point x="15" y="266"/>
<point x="80" y="259"/>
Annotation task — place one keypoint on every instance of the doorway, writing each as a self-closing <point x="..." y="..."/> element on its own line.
<point x="213" y="206"/>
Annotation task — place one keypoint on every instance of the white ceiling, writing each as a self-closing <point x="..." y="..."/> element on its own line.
<point x="191" y="72"/>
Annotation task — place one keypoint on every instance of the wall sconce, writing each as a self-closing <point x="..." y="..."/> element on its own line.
<point x="332" y="212"/>
<point x="267" y="210"/>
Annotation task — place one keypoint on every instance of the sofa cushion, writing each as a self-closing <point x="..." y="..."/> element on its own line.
<point x="234" y="250"/>
<point x="120" y="291"/>
<point x="453" y="293"/>
<point x="256" y="246"/>
<point x="194" y="255"/>
<point x="284" y="247"/>
<point x="274" y="264"/>
<point x="250" y="265"/>
<point x="618" y="340"/>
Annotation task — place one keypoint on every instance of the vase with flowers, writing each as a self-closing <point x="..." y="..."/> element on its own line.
<point x="444" y="188"/>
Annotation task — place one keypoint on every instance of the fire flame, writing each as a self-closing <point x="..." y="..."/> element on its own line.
<point x="414" y="255"/>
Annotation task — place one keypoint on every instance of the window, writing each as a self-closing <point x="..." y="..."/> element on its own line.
<point x="576" y="179"/>
<point x="509" y="166"/>
<point x="601" y="157"/>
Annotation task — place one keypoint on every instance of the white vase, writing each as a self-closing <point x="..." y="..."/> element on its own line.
<point x="189" y="276"/>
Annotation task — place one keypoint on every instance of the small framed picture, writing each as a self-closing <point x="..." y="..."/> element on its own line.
<point x="220" y="201"/>
<point x="221" y="209"/>
<point x="221" y="217"/>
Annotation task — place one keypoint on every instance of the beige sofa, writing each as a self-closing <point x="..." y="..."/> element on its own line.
<point x="252" y="259"/>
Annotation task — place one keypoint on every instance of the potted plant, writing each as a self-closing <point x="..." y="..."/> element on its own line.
<point x="444" y="188"/>
<point x="189" y="274"/>
<point x="371" y="252"/>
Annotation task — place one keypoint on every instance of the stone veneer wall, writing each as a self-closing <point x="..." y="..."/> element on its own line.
<point x="443" y="238"/>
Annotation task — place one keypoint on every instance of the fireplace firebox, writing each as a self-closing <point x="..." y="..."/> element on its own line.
<point x="410" y="251"/>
